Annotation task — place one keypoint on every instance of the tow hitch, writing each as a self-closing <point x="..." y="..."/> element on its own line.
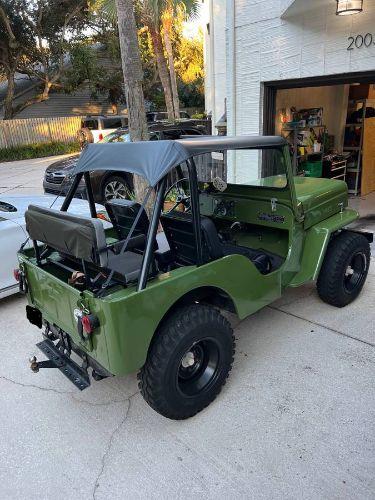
<point x="57" y="359"/>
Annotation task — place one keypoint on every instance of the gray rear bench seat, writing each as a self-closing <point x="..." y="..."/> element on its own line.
<point x="83" y="238"/>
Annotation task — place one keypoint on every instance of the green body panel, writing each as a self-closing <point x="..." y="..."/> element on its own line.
<point x="57" y="300"/>
<point x="320" y="198"/>
<point x="315" y="245"/>
<point x="128" y="319"/>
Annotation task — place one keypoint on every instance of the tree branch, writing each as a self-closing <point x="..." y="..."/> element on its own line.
<point x="7" y="25"/>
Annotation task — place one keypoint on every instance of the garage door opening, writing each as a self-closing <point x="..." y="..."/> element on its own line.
<point x="330" y="126"/>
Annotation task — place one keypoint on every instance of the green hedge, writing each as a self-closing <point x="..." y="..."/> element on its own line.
<point x="38" y="150"/>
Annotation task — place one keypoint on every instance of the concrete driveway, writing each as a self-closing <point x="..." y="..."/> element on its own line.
<point x="25" y="176"/>
<point x="294" y="421"/>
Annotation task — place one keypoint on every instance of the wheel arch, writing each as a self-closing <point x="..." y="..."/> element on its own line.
<point x="209" y="295"/>
<point x="316" y="242"/>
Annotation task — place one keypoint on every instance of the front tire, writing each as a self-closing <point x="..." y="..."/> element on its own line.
<point x="344" y="270"/>
<point x="188" y="362"/>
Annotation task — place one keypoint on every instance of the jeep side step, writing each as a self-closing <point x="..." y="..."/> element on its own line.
<point x="56" y="359"/>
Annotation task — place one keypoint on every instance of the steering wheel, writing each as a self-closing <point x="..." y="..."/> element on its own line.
<point x="181" y="198"/>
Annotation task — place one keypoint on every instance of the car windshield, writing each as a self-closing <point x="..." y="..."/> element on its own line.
<point x="260" y="168"/>
<point x="116" y="137"/>
<point x="7" y="207"/>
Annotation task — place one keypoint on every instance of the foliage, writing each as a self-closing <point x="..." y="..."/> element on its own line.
<point x="58" y="41"/>
<point x="52" y="27"/>
<point x="199" y="116"/>
<point x="15" y="38"/>
<point x="38" y="150"/>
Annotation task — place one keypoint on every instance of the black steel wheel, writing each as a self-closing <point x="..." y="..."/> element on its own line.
<point x="188" y="362"/>
<point x="115" y="187"/>
<point x="344" y="270"/>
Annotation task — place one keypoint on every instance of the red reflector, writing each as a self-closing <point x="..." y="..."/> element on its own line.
<point x="100" y="137"/>
<point x="86" y="324"/>
<point x="17" y="274"/>
<point x="89" y="323"/>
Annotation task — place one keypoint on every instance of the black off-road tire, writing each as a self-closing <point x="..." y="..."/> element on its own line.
<point x="196" y="334"/>
<point x="344" y="270"/>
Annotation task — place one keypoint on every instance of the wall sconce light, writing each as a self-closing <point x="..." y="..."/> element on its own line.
<point x="348" y="7"/>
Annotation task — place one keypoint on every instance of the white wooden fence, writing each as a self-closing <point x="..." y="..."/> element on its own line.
<point x="36" y="130"/>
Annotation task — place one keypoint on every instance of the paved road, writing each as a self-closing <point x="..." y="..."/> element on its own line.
<point x="26" y="176"/>
<point x="295" y="420"/>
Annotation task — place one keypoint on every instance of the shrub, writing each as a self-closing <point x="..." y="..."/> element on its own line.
<point x="38" y="150"/>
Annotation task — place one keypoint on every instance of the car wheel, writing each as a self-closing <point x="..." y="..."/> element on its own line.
<point x="344" y="269"/>
<point x="188" y="362"/>
<point x="115" y="187"/>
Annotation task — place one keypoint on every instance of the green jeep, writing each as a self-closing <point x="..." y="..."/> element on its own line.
<point x="145" y="293"/>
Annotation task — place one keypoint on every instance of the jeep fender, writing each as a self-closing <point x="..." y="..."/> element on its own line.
<point x="316" y="242"/>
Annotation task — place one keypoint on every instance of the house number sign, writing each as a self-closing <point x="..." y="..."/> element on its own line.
<point x="359" y="41"/>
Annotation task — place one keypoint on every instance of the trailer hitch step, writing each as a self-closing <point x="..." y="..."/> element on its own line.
<point x="56" y="359"/>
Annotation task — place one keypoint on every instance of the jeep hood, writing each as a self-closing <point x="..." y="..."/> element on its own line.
<point x="320" y="198"/>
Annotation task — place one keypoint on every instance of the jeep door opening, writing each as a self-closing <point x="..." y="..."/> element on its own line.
<point x="145" y="293"/>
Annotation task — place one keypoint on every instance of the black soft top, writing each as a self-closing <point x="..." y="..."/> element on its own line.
<point x="154" y="159"/>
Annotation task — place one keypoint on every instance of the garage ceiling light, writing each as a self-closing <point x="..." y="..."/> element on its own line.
<point x="348" y="7"/>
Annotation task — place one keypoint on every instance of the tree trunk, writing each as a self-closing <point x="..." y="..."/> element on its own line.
<point x="161" y="63"/>
<point x="43" y="96"/>
<point x="133" y="82"/>
<point x="8" y="101"/>
<point x="172" y="72"/>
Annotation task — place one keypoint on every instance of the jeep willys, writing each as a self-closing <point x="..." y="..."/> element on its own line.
<point x="146" y="292"/>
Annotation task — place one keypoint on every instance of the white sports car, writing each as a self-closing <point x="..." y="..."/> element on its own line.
<point x="13" y="232"/>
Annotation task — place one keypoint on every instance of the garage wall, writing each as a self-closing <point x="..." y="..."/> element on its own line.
<point x="333" y="100"/>
<point x="267" y="47"/>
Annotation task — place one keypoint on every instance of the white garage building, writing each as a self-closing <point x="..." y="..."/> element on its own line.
<point x="273" y="63"/>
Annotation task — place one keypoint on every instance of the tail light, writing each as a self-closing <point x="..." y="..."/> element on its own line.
<point x="17" y="274"/>
<point x="101" y="137"/>
<point x="89" y="323"/>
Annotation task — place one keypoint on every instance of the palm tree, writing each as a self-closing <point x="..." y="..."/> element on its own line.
<point x="188" y="10"/>
<point x="151" y="14"/>
<point x="133" y="80"/>
<point x="155" y="14"/>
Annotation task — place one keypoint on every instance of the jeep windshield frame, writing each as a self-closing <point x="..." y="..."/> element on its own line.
<point x="154" y="160"/>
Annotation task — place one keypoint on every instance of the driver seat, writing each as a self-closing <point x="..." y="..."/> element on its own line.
<point x="179" y="231"/>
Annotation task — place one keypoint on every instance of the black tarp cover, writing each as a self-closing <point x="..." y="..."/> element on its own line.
<point x="154" y="159"/>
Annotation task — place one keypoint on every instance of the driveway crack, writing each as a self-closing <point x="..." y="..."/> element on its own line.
<point x="333" y="330"/>
<point x="33" y="386"/>
<point x="108" y="448"/>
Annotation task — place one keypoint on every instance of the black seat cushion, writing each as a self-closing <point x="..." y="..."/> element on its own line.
<point x="128" y="264"/>
<point x="179" y="232"/>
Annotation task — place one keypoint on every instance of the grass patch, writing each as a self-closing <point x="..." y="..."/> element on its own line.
<point x="38" y="150"/>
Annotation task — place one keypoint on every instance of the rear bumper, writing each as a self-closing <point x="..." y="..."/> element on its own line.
<point x="57" y="359"/>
